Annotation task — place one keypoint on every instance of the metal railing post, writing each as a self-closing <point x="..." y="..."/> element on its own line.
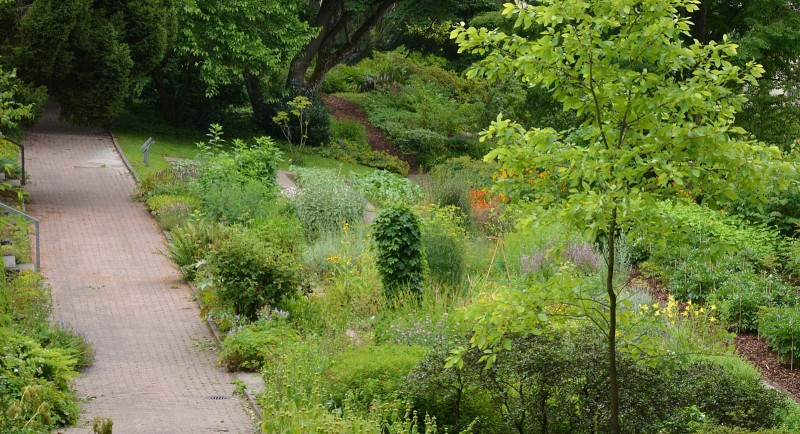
<point x="22" y="155"/>
<point x="35" y="224"/>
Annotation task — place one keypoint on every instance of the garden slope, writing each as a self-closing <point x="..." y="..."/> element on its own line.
<point x="155" y="368"/>
<point x="343" y="109"/>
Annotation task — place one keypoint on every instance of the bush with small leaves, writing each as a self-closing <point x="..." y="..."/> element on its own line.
<point x="248" y="273"/>
<point x="400" y="255"/>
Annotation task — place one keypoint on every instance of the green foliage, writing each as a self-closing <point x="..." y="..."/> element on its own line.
<point x="34" y="385"/>
<point x="250" y="347"/>
<point x="251" y="199"/>
<point x="779" y="327"/>
<point x="554" y="382"/>
<point x="349" y="130"/>
<point x="172" y="210"/>
<point x="740" y="297"/>
<point x="11" y="110"/>
<point x="39" y="359"/>
<point x="249" y="273"/>
<point x="362" y="153"/>
<point x="326" y="202"/>
<point x="88" y="53"/>
<point x="190" y="244"/>
<point x="383" y="189"/>
<point x="229" y="39"/>
<point x="400" y="253"/>
<point x="443" y="237"/>
<point x="317" y="116"/>
<point x="371" y="374"/>
<point x="158" y="203"/>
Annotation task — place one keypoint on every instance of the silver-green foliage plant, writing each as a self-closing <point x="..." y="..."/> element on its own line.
<point x="658" y="125"/>
<point x="383" y="188"/>
<point x="326" y="203"/>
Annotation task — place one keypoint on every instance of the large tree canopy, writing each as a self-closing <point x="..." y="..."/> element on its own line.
<point x="234" y="39"/>
<point x="345" y="24"/>
<point x="88" y="52"/>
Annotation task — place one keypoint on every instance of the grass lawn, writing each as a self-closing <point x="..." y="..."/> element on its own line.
<point x="184" y="146"/>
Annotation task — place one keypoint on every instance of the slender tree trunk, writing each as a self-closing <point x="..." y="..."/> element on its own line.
<point x="614" y="425"/>
<point x="254" y="93"/>
<point x="700" y="20"/>
<point x="328" y="10"/>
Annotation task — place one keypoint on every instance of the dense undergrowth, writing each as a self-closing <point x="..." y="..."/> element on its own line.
<point x="298" y="284"/>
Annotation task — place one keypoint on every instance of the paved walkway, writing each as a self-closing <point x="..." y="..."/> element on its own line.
<point x="155" y="367"/>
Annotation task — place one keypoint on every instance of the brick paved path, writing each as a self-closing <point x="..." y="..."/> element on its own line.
<point x="155" y="365"/>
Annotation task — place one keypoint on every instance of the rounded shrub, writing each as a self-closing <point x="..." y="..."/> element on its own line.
<point x="249" y="273"/>
<point x="371" y="374"/>
<point x="318" y="116"/>
<point x="400" y="256"/>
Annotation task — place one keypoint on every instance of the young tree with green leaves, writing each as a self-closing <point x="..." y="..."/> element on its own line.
<point x="659" y="126"/>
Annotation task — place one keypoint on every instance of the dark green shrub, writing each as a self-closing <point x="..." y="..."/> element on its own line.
<point x="347" y="129"/>
<point x="318" y="117"/>
<point x="249" y="273"/>
<point x="255" y="344"/>
<point x="556" y="382"/>
<point x="370" y="374"/>
<point x="780" y="327"/>
<point x="400" y="256"/>
<point x="727" y="398"/>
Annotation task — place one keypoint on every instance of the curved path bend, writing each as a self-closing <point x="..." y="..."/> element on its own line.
<point x="155" y="369"/>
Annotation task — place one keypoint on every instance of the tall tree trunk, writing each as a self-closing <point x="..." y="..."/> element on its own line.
<point x="332" y="18"/>
<point x="700" y="20"/>
<point x="328" y="10"/>
<point x="614" y="425"/>
<point x="325" y="63"/>
<point x="253" y="85"/>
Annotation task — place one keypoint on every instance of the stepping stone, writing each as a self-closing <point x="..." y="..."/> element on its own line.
<point x="25" y="267"/>
<point x="2" y="176"/>
<point x="15" y="182"/>
<point x="9" y="261"/>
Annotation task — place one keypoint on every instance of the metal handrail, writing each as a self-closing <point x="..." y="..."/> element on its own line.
<point x="35" y="223"/>
<point x="22" y="156"/>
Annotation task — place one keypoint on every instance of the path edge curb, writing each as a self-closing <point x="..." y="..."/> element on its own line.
<point x="249" y="397"/>
<point x="125" y="161"/>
